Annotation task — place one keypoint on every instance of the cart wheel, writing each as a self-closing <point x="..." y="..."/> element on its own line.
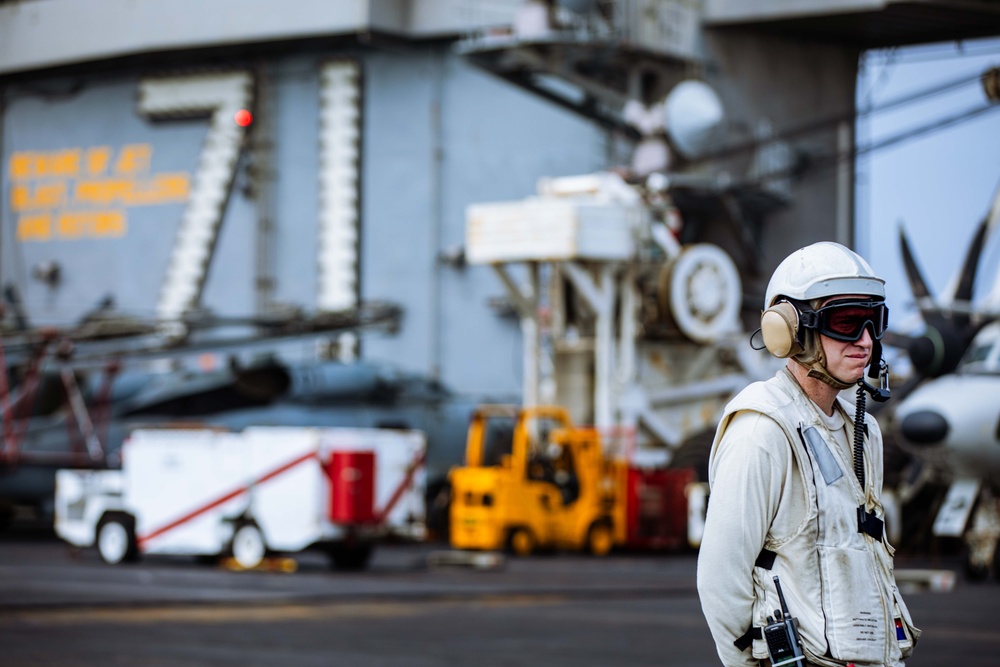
<point x="354" y="557"/>
<point x="521" y="542"/>
<point x="248" y="546"/>
<point x="116" y="539"/>
<point x="600" y="539"/>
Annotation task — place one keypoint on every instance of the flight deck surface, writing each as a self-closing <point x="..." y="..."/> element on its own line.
<point x="412" y="606"/>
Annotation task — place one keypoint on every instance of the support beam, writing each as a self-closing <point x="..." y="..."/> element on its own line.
<point x="526" y="303"/>
<point x="600" y="297"/>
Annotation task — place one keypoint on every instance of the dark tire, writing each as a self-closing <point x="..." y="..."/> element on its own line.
<point x="115" y="539"/>
<point x="974" y="571"/>
<point x="438" y="508"/>
<point x="351" y="557"/>
<point x="600" y="538"/>
<point x="694" y="452"/>
<point x="6" y="517"/>
<point x="520" y="542"/>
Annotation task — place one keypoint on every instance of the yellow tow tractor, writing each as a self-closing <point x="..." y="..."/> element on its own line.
<point x="534" y="481"/>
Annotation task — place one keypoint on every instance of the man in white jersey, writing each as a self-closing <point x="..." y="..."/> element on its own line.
<point x="796" y="478"/>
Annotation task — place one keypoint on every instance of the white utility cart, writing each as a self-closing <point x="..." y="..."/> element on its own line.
<point x="265" y="490"/>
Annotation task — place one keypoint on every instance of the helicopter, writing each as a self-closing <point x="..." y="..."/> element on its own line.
<point x="75" y="396"/>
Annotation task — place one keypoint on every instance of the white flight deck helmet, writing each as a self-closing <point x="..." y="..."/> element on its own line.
<point x="805" y="279"/>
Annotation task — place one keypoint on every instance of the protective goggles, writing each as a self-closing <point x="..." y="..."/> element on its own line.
<point x="846" y="320"/>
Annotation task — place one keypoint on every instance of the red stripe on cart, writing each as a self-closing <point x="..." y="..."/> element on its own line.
<point x="142" y="540"/>
<point x="411" y="471"/>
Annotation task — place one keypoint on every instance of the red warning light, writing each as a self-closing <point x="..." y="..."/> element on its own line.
<point x="243" y="118"/>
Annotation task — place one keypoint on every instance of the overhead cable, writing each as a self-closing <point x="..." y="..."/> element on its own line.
<point x="830" y="122"/>
<point x="832" y="160"/>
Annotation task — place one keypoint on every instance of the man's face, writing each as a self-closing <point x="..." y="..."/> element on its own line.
<point x="847" y="361"/>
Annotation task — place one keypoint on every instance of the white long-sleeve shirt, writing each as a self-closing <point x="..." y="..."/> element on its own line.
<point x="753" y="470"/>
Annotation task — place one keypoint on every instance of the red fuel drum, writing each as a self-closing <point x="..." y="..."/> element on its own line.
<point x="352" y="487"/>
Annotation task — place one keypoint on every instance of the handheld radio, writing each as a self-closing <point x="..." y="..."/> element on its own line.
<point x="782" y="636"/>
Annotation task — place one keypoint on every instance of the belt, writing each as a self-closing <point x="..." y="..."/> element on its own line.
<point x="767" y="663"/>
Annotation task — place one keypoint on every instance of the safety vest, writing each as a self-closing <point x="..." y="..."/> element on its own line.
<point x="836" y="568"/>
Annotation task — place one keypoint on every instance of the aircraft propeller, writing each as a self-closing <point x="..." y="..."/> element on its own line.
<point x="950" y="321"/>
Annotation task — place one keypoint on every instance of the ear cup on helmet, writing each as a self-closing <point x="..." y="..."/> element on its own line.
<point x="779" y="327"/>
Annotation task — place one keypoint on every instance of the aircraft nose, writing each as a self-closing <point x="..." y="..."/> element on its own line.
<point x="924" y="427"/>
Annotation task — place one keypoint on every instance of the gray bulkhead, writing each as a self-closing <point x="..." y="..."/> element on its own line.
<point x="437" y="135"/>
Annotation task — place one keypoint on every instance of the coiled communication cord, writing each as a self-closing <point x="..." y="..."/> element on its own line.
<point x="859" y="434"/>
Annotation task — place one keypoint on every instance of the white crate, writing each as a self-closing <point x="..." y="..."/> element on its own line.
<point x="550" y="229"/>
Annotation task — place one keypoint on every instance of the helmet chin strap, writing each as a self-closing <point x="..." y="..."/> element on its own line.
<point x="817" y="372"/>
<point x="814" y="361"/>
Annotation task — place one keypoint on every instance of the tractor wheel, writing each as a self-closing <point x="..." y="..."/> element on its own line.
<point x="116" y="539"/>
<point x="600" y="539"/>
<point x="974" y="568"/>
<point x="521" y="542"/>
